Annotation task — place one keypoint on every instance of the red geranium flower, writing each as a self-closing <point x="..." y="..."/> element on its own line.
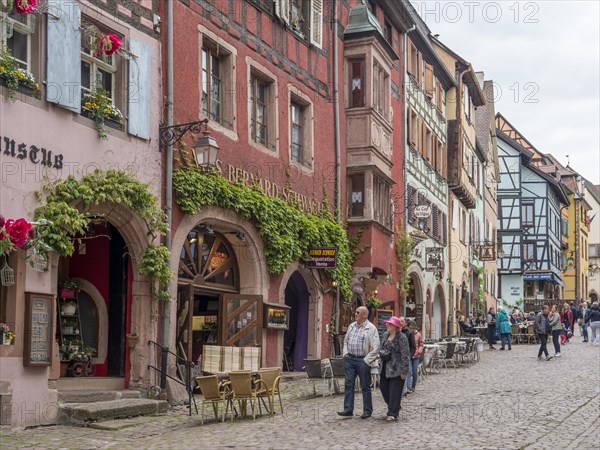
<point x="17" y="231"/>
<point x="109" y="44"/>
<point x="25" y="6"/>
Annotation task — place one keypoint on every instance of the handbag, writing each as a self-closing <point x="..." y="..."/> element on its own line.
<point x="385" y="354"/>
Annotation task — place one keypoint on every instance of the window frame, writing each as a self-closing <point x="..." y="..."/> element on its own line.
<point x="28" y="30"/>
<point x="255" y="82"/>
<point x="263" y="75"/>
<point x="525" y="221"/>
<point x="382" y="206"/>
<point x="351" y="78"/>
<point x="352" y="212"/>
<point x="526" y="255"/>
<point x="209" y="84"/>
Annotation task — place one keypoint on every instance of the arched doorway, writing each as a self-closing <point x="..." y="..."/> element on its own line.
<point x="295" y="339"/>
<point x="593" y="296"/>
<point x="438" y="313"/>
<point x="101" y="263"/>
<point x="428" y="315"/>
<point x="207" y="269"/>
<point x="414" y="301"/>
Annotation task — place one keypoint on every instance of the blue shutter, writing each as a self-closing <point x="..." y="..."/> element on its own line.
<point x="138" y="114"/>
<point x="63" y="80"/>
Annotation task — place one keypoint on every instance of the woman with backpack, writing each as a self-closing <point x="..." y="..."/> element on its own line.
<point x="504" y="328"/>
<point x="491" y="329"/>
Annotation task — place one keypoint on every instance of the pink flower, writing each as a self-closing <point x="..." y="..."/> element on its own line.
<point x="109" y="44"/>
<point x="17" y="231"/>
<point x="25" y="6"/>
<point x="2" y="220"/>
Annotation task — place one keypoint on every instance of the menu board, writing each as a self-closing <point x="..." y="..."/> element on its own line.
<point x="39" y="330"/>
<point x="382" y="314"/>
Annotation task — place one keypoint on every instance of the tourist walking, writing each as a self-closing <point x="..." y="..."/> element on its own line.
<point x="491" y="329"/>
<point x="594" y="321"/>
<point x="583" y="326"/>
<point x="411" y="380"/>
<point x="395" y="355"/>
<point x="556" y="326"/>
<point x="574" y="316"/>
<point x="504" y="328"/>
<point x="541" y="327"/>
<point x="361" y="348"/>
<point x="566" y="318"/>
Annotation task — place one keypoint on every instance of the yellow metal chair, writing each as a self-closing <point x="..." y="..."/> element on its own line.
<point x="269" y="381"/>
<point x="243" y="389"/>
<point x="214" y="394"/>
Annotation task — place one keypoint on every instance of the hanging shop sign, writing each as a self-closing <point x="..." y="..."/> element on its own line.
<point x="434" y="259"/>
<point x="321" y="258"/>
<point x="487" y="253"/>
<point x="36" y="155"/>
<point x="422" y="211"/>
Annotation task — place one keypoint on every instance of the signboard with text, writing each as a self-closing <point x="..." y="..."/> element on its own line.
<point x="322" y="258"/>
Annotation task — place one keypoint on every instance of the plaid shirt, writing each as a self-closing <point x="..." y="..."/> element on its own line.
<point x="355" y="340"/>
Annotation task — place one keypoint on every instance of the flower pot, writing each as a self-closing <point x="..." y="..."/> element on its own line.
<point x="64" y="368"/>
<point x="132" y="341"/>
<point x="66" y="293"/>
<point x="7" y="341"/>
<point x="67" y="330"/>
<point x="68" y="310"/>
<point x="112" y="124"/>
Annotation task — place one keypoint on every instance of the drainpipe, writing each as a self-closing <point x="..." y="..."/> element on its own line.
<point x="338" y="156"/>
<point x="169" y="191"/>
<point x="459" y="110"/>
<point x="404" y="125"/>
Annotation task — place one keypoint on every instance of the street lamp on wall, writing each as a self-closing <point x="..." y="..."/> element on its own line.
<point x="205" y="148"/>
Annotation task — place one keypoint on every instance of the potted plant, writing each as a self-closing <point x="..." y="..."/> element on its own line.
<point x="14" y="77"/>
<point x="68" y="308"/>
<point x="69" y="288"/>
<point x="7" y="335"/>
<point x="68" y="327"/>
<point x="132" y="340"/>
<point x="97" y="105"/>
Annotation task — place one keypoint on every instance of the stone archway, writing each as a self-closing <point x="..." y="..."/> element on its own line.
<point x="414" y="305"/>
<point x="593" y="295"/>
<point x="439" y="317"/>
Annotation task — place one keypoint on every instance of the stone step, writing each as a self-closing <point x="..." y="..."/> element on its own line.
<point x="80" y="413"/>
<point x="95" y="395"/>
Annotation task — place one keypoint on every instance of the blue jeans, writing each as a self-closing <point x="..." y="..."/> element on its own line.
<point x="585" y="332"/>
<point x="354" y="366"/>
<point x="506" y="337"/>
<point x="411" y="378"/>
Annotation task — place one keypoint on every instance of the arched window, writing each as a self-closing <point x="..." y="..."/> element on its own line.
<point x="208" y="260"/>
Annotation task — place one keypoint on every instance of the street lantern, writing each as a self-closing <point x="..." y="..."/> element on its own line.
<point x="206" y="150"/>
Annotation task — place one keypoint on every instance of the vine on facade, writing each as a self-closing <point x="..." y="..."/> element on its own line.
<point x="404" y="249"/>
<point x="287" y="231"/>
<point x="67" y="218"/>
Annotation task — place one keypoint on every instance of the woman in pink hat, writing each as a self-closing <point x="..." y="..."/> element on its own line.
<point x="394" y="353"/>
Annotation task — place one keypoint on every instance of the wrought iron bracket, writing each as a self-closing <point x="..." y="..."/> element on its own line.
<point x="172" y="135"/>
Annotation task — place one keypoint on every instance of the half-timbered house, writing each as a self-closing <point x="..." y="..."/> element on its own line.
<point x="529" y="218"/>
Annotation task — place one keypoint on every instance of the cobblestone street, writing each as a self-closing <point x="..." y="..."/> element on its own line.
<point x="508" y="400"/>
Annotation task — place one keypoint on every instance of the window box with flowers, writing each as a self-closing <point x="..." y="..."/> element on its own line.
<point x="15" y="78"/>
<point x="98" y="106"/>
<point x="7" y="335"/>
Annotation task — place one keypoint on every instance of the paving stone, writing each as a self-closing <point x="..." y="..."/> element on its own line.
<point x="509" y="400"/>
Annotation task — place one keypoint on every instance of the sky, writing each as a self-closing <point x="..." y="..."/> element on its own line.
<point x="544" y="59"/>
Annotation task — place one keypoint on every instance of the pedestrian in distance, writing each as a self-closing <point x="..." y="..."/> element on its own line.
<point x="594" y="322"/>
<point x="504" y="328"/>
<point x="557" y="328"/>
<point x="395" y="355"/>
<point x="491" y="329"/>
<point x="361" y="348"/>
<point x="411" y="380"/>
<point x="541" y="327"/>
<point x="574" y="316"/>
<point x="566" y="318"/>
<point x="583" y="326"/>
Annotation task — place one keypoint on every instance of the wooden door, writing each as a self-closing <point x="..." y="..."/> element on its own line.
<point x="241" y="319"/>
<point x="185" y="308"/>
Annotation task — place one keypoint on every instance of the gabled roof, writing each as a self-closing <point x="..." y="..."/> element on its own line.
<point x="470" y="78"/>
<point x="509" y="130"/>
<point x="526" y="158"/>
<point x="593" y="190"/>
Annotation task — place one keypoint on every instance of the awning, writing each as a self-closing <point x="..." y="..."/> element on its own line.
<point x="543" y="276"/>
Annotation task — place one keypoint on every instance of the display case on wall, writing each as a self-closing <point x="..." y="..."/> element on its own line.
<point x="39" y="326"/>
<point x="276" y="316"/>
